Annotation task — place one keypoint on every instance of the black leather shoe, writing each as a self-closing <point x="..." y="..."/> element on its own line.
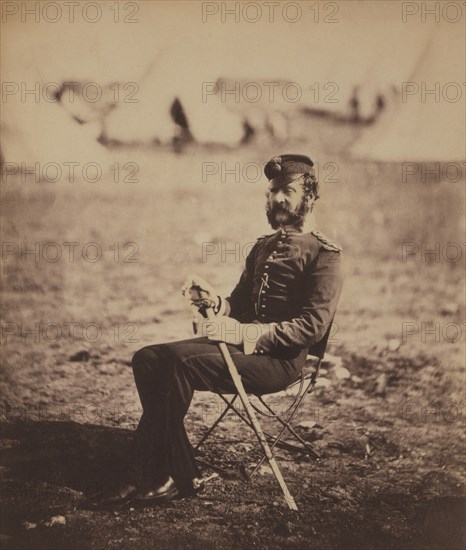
<point x="120" y="496"/>
<point x="164" y="492"/>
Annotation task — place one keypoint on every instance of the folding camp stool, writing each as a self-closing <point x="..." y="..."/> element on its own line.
<point x="306" y="381"/>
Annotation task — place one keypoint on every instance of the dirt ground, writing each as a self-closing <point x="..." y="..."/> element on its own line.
<point x="389" y="431"/>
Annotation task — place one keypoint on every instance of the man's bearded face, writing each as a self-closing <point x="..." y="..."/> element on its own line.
<point x="286" y="204"/>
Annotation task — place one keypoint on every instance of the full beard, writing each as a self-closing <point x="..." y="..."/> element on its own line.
<point x="295" y="218"/>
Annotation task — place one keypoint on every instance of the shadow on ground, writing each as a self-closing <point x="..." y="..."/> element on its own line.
<point x="49" y="467"/>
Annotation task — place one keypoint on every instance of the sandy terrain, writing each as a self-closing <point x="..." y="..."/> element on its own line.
<point x="390" y="435"/>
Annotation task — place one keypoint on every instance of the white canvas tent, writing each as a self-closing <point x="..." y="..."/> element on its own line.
<point x="427" y="121"/>
<point x="172" y="53"/>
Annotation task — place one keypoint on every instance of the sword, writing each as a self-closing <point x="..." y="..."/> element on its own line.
<point x="235" y="376"/>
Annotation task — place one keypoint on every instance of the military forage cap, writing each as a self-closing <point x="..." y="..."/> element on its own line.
<point x="286" y="165"/>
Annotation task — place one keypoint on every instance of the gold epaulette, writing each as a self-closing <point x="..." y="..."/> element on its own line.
<point x="326" y="243"/>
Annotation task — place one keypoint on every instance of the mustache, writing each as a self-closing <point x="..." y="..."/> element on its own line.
<point x="296" y="216"/>
<point x="281" y="207"/>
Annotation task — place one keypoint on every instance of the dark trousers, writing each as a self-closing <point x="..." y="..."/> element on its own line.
<point x="166" y="376"/>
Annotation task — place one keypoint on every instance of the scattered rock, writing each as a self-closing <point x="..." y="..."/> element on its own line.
<point x="385" y="528"/>
<point x="393" y="344"/>
<point x="9" y="443"/>
<point x="106" y="369"/>
<point x="80" y="356"/>
<point x="292" y="391"/>
<point x="309" y="424"/>
<point x="450" y="308"/>
<point x="342" y="373"/>
<point x="380" y="384"/>
<point x="28" y="524"/>
<point x="332" y="361"/>
<point x="55" y="520"/>
<point x="199" y="482"/>
<point x="323" y="383"/>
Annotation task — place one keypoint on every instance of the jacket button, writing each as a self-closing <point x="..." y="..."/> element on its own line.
<point x="261" y="351"/>
<point x="262" y="306"/>
<point x="263" y="292"/>
<point x="266" y="267"/>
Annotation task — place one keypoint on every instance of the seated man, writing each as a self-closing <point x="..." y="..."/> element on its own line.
<point x="283" y="304"/>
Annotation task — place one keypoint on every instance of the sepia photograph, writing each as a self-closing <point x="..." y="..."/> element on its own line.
<point x="233" y="274"/>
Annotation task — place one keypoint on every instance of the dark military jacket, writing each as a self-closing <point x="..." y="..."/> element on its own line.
<point x="292" y="279"/>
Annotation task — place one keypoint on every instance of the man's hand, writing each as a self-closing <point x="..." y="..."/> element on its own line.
<point x="199" y="292"/>
<point x="223" y="329"/>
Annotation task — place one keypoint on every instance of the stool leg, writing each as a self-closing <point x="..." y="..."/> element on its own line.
<point x="286" y="426"/>
<point x="217" y="422"/>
